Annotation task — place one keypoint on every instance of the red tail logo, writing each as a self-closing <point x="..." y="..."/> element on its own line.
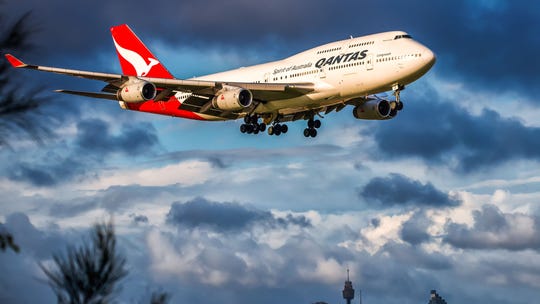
<point x="135" y="58"/>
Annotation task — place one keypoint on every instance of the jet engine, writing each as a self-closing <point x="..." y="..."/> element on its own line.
<point x="137" y="91"/>
<point x="378" y="109"/>
<point x="232" y="99"/>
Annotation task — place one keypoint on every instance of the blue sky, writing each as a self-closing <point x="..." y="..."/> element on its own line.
<point x="445" y="196"/>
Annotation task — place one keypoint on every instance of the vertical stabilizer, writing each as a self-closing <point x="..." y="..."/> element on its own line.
<point x="135" y="58"/>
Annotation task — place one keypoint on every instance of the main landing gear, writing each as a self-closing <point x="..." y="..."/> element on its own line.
<point x="251" y="125"/>
<point x="277" y="129"/>
<point x="311" y="130"/>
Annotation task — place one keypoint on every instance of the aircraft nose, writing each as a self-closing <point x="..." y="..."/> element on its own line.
<point x="429" y="57"/>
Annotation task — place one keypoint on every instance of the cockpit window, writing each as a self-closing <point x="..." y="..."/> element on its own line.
<point x="402" y="36"/>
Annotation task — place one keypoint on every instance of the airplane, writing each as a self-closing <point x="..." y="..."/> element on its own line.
<point x="304" y="86"/>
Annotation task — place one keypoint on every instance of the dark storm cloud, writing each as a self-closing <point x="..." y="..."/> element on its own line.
<point x="474" y="41"/>
<point x="444" y="133"/>
<point x="414" y="231"/>
<point x="483" y="43"/>
<point x="200" y="212"/>
<point x="397" y="189"/>
<point x="50" y="170"/>
<point x="93" y="143"/>
<point x="94" y="136"/>
<point x="494" y="229"/>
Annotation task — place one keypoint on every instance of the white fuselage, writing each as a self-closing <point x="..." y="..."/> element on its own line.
<point x="340" y="70"/>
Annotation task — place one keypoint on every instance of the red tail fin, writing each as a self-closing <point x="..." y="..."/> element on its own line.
<point x="135" y="58"/>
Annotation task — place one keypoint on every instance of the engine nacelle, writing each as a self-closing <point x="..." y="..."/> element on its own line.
<point x="232" y="99"/>
<point x="374" y="110"/>
<point x="137" y="91"/>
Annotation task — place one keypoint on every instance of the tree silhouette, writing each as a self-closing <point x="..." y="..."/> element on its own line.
<point x="6" y="240"/>
<point x="89" y="273"/>
<point x="19" y="108"/>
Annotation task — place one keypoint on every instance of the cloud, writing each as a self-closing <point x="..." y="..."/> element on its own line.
<point x="93" y="143"/>
<point x="393" y="253"/>
<point x="116" y="199"/>
<point x="139" y="219"/>
<point x="200" y="212"/>
<point x="451" y="136"/>
<point x="490" y="30"/>
<point x="397" y="189"/>
<point x="94" y="137"/>
<point x="414" y="231"/>
<point x="494" y="229"/>
<point x="51" y="170"/>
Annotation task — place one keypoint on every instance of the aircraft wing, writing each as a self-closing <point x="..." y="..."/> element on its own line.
<point x="260" y="91"/>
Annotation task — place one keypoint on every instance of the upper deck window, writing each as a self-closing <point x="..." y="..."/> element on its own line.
<point x="402" y="36"/>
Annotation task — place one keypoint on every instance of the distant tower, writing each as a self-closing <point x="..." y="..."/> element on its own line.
<point x="435" y="298"/>
<point x="348" y="290"/>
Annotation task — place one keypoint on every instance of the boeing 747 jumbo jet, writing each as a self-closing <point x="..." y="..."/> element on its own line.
<point x="304" y="86"/>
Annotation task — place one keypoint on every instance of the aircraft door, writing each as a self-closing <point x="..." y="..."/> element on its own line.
<point x="369" y="62"/>
<point x="322" y="73"/>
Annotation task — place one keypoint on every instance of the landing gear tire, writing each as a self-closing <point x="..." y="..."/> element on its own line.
<point x="251" y="125"/>
<point x="276" y="129"/>
<point x="399" y="106"/>
<point x="310" y="132"/>
<point x="312" y="126"/>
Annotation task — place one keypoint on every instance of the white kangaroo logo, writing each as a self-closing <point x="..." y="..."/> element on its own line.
<point x="136" y="60"/>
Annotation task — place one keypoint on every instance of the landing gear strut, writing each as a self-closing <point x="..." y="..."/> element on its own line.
<point x="311" y="130"/>
<point x="251" y="125"/>
<point x="396" y="105"/>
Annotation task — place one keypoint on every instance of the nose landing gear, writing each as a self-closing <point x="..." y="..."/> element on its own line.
<point x="397" y="105"/>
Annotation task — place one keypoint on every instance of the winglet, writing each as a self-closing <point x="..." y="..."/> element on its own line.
<point x="16" y="63"/>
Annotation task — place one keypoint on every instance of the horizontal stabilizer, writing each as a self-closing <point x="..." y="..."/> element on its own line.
<point x="14" y="61"/>
<point x="89" y="94"/>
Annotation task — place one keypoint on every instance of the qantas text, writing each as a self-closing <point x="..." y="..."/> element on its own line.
<point x="341" y="58"/>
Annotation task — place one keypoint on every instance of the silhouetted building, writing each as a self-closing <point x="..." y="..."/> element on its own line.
<point x="348" y="290"/>
<point x="436" y="299"/>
